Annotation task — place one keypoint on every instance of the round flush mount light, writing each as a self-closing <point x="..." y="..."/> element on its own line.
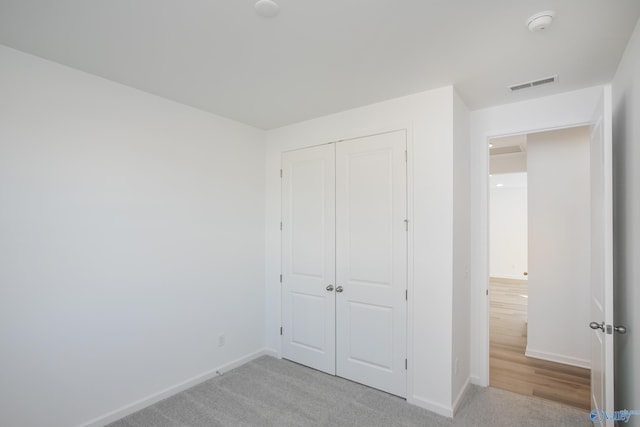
<point x="267" y="8"/>
<point x="540" y="21"/>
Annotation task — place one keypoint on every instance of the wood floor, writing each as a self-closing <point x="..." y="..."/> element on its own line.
<point x="510" y="369"/>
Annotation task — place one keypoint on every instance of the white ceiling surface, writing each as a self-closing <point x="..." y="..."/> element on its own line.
<point x="509" y="141"/>
<point x="321" y="57"/>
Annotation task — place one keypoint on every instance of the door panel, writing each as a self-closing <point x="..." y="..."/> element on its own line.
<point x="602" y="258"/>
<point x="371" y="261"/>
<point x="373" y="327"/>
<point x="308" y="257"/>
<point x="306" y="331"/>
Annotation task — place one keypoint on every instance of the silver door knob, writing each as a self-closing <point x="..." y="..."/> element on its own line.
<point x="339" y="289"/>
<point x="330" y="288"/>
<point x="620" y="329"/>
<point x="596" y="325"/>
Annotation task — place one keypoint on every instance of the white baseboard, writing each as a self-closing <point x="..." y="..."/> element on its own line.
<point x="432" y="406"/>
<point x="170" y="391"/>
<point x="558" y="358"/>
<point x="460" y="397"/>
<point x="476" y="380"/>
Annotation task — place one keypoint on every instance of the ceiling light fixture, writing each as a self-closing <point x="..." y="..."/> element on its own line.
<point x="267" y="8"/>
<point x="540" y="21"/>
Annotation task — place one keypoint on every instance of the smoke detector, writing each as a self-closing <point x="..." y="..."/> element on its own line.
<point x="540" y="21"/>
<point x="267" y="8"/>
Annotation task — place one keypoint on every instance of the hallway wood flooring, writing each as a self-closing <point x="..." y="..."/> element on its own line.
<point x="511" y="370"/>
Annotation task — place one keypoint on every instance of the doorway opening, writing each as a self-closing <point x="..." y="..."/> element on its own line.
<point x="539" y="265"/>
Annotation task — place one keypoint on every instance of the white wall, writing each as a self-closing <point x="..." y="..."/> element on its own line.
<point x="461" y="319"/>
<point x="626" y="208"/>
<point x="131" y="236"/>
<point x="508" y="226"/>
<point x="428" y="118"/>
<point x="559" y="231"/>
<point x="567" y="109"/>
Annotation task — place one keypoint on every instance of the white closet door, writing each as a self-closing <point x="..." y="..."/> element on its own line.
<point x="371" y="261"/>
<point x="308" y="257"/>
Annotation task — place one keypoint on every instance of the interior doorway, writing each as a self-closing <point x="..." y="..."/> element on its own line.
<point x="539" y="196"/>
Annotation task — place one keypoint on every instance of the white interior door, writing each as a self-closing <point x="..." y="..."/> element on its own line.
<point x="602" y="261"/>
<point x="308" y="257"/>
<point x="371" y="261"/>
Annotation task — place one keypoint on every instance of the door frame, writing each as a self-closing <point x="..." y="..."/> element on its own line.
<point x="565" y="109"/>
<point x="483" y="315"/>
<point x="576" y="363"/>
<point x="408" y="129"/>
<point x="484" y="254"/>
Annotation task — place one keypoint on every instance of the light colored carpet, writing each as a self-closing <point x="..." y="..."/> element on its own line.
<point x="272" y="392"/>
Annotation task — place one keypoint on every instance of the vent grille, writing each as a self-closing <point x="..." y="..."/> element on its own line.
<point x="540" y="82"/>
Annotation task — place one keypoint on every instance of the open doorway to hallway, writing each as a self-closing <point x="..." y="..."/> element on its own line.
<point x="539" y="255"/>
<point x="511" y="369"/>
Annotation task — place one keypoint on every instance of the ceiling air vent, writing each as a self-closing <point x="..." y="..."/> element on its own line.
<point x="534" y="83"/>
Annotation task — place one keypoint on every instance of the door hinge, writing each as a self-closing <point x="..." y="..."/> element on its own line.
<point x="280" y="330"/>
<point x="281" y="278"/>
<point x="406" y="156"/>
<point x="406" y="225"/>
<point x="280" y="225"/>
<point x="405" y="364"/>
<point x="406" y="294"/>
<point x="487" y="292"/>
<point x="280" y="173"/>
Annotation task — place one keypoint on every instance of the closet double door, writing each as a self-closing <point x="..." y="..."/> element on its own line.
<point x="344" y="259"/>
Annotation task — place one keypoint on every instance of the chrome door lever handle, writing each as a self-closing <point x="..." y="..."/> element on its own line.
<point x="329" y="288"/>
<point x="596" y="325"/>
<point x="620" y="329"/>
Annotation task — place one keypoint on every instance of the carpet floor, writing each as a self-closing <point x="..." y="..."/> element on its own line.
<point x="279" y="393"/>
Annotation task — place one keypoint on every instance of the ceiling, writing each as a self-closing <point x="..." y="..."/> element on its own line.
<point x="322" y="57"/>
<point x="507" y="155"/>
<point x="506" y="145"/>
